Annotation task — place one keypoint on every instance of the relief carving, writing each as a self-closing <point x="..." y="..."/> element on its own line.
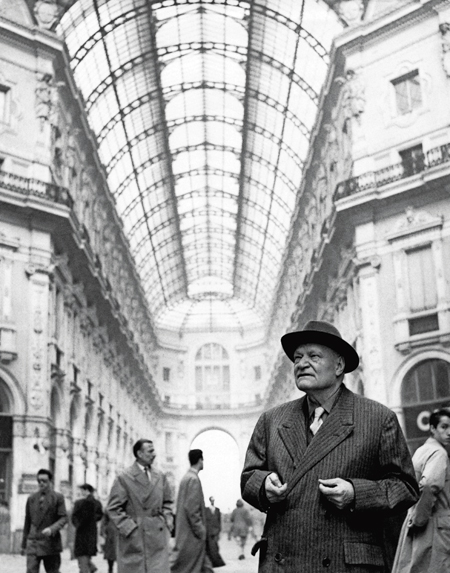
<point x="444" y="29"/>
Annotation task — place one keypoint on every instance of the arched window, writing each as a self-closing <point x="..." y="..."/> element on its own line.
<point x="425" y="387"/>
<point x="6" y="444"/>
<point x="212" y="370"/>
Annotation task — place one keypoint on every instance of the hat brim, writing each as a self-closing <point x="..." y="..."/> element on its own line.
<point x="292" y="340"/>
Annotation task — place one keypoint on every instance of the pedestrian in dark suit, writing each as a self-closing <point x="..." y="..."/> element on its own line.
<point x="213" y="529"/>
<point x="86" y="512"/>
<point x="45" y="516"/>
<point x="328" y="468"/>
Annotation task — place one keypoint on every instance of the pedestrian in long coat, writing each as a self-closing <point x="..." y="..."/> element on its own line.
<point x="241" y="522"/>
<point x="86" y="512"/>
<point x="109" y="532"/>
<point x="140" y="505"/>
<point x="189" y="554"/>
<point x="328" y="468"/>
<point x="213" y="529"/>
<point x="424" y="545"/>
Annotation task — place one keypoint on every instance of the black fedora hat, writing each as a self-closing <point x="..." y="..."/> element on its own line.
<point x="320" y="332"/>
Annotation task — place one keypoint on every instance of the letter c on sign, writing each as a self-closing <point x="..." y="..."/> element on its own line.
<point x="423" y="421"/>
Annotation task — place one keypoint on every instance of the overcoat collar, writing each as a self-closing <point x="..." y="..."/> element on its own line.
<point x="146" y="487"/>
<point x="336" y="427"/>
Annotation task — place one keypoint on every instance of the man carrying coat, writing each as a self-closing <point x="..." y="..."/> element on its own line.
<point x="86" y="512"/>
<point x="140" y="505"/>
<point x="328" y="468"/>
<point x="45" y="516"/>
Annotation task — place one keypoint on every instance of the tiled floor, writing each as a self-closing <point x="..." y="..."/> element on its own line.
<point x="228" y="549"/>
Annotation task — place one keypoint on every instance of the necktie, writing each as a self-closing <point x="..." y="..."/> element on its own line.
<point x="317" y="422"/>
<point x="146" y="473"/>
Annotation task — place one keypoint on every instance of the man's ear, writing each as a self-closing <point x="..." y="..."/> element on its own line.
<point x="340" y="365"/>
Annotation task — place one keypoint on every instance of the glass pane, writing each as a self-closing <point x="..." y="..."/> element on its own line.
<point x="441" y="373"/>
<point x="425" y="381"/>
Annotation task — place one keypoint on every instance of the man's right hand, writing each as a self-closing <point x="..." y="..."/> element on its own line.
<point x="275" y="490"/>
<point x="23" y="551"/>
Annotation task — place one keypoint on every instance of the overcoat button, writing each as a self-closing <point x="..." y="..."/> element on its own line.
<point x="326" y="562"/>
<point x="278" y="557"/>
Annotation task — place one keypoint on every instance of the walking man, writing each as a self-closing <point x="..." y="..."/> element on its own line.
<point x="45" y="516"/>
<point x="86" y="512"/>
<point x="213" y="529"/>
<point x="189" y="555"/>
<point x="140" y="505"/>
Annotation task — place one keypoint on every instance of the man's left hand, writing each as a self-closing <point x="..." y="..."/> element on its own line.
<point x="338" y="491"/>
<point x="47" y="532"/>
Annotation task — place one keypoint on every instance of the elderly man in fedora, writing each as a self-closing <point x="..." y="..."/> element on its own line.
<point x="328" y="468"/>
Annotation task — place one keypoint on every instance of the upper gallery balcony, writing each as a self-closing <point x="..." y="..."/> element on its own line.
<point x="414" y="162"/>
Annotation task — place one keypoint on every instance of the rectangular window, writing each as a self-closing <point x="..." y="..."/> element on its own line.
<point x="408" y="94"/>
<point x="422" y="279"/>
<point x="257" y="372"/>
<point x="423" y="324"/>
<point x="166" y="374"/>
<point x="412" y="160"/>
<point x="4" y="104"/>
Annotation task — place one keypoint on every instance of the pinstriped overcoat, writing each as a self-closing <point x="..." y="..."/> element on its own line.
<point x="360" y="441"/>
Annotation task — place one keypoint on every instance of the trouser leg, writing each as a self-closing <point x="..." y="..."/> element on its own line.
<point x="52" y="563"/>
<point x="83" y="563"/>
<point x="33" y="562"/>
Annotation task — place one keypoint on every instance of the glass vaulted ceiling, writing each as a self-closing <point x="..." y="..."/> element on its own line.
<point x="203" y="112"/>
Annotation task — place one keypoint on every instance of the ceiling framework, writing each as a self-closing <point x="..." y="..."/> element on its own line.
<point x="203" y="111"/>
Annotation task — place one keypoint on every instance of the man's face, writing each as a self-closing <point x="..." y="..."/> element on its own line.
<point x="43" y="482"/>
<point x="200" y="465"/>
<point x="146" y="454"/>
<point x="211" y="500"/>
<point x="442" y="431"/>
<point x="317" y="369"/>
<point x="83" y="493"/>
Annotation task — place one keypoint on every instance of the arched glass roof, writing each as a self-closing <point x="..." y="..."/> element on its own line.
<point x="203" y="111"/>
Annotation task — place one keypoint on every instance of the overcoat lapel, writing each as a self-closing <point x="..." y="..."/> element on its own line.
<point x="336" y="428"/>
<point x="293" y="432"/>
<point x="144" y="487"/>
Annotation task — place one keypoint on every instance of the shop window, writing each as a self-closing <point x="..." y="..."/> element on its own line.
<point x="408" y="92"/>
<point x="6" y="442"/>
<point x="425" y="388"/>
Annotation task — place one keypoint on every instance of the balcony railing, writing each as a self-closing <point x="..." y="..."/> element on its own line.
<point x="35" y="188"/>
<point x="407" y="168"/>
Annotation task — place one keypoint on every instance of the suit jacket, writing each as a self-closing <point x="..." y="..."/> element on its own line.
<point x="86" y="512"/>
<point x="360" y="441"/>
<point x="190" y="539"/>
<point x="213" y="521"/>
<point x="142" y="513"/>
<point x="53" y="515"/>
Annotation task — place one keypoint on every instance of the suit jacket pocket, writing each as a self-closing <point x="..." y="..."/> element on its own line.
<point x="132" y="543"/>
<point x="441" y="541"/>
<point x="363" y="554"/>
